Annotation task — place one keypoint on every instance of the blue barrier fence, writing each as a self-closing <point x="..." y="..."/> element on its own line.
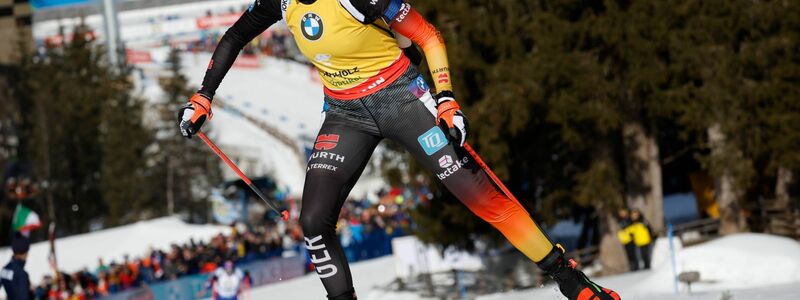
<point x="368" y="245"/>
<point x="362" y="246"/>
<point x="262" y="272"/>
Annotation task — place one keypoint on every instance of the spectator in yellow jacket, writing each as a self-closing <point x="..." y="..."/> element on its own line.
<point x="625" y="237"/>
<point x="642" y="236"/>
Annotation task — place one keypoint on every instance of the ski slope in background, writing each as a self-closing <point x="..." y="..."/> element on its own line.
<point x="280" y="92"/>
<point x="744" y="266"/>
<point x="283" y="94"/>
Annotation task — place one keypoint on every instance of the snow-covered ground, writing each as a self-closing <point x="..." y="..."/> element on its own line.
<point x="82" y="251"/>
<point x="744" y="266"/>
<point x="770" y="292"/>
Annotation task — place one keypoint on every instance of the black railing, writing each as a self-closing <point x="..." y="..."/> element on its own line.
<point x="696" y="232"/>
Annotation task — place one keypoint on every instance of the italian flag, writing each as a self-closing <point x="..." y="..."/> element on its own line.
<point x="25" y="219"/>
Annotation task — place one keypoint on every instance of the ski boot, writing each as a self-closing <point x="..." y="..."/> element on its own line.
<point x="572" y="282"/>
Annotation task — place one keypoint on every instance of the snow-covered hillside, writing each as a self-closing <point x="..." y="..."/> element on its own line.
<point x="283" y="94"/>
<point x="280" y="92"/>
<point x="745" y="266"/>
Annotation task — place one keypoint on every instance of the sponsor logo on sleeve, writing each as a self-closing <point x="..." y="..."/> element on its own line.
<point x="451" y="168"/>
<point x="432" y="140"/>
<point x="404" y="10"/>
<point x="418" y="87"/>
<point x="443" y="78"/>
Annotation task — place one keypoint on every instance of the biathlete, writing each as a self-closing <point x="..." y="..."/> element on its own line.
<point x="372" y="92"/>
<point x="227" y="283"/>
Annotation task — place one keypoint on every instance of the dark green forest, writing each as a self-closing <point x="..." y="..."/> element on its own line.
<point x="97" y="157"/>
<point x="584" y="107"/>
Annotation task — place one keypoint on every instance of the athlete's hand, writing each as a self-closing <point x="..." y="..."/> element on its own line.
<point x="450" y="118"/>
<point x="192" y="115"/>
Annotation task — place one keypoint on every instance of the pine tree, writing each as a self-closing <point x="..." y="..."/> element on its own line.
<point x="125" y="140"/>
<point x="87" y="138"/>
<point x="736" y="60"/>
<point x="190" y="169"/>
<point x="64" y="89"/>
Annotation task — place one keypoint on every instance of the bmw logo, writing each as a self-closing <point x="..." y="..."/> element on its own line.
<point x="421" y="84"/>
<point x="312" y="27"/>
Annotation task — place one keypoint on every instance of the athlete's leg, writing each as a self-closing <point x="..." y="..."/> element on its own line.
<point x="466" y="176"/>
<point x="340" y="155"/>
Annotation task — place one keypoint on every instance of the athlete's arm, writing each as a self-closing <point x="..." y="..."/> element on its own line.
<point x="409" y="49"/>
<point x="261" y="15"/>
<point x="406" y="21"/>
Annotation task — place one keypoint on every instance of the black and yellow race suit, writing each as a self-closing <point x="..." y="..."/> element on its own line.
<point x="373" y="92"/>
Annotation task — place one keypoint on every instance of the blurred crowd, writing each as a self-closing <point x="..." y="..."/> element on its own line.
<point x="276" y="42"/>
<point x="243" y="245"/>
<point x="637" y="237"/>
<point x="20" y="189"/>
<point x="365" y="230"/>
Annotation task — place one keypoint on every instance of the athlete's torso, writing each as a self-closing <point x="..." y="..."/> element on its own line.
<point x="348" y="54"/>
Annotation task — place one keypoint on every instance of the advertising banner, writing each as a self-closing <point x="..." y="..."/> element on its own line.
<point x="217" y="21"/>
<point x="56" y="3"/>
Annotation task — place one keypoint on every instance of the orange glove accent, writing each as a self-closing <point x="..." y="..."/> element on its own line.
<point x="202" y="107"/>
<point x="446" y="111"/>
<point x="450" y="118"/>
<point x="192" y="115"/>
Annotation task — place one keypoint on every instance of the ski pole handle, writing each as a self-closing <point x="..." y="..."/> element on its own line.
<point x="284" y="214"/>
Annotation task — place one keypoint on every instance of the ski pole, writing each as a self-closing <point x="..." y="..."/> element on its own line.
<point x="284" y="214"/>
